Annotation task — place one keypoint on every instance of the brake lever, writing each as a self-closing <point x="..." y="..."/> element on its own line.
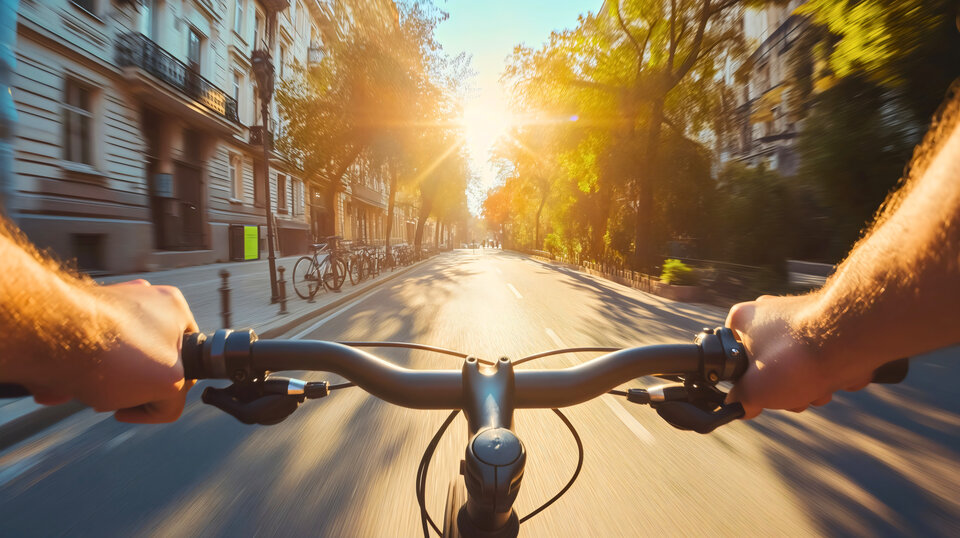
<point x="693" y="406"/>
<point x="265" y="410"/>
<point x="265" y="401"/>
<point x="691" y="417"/>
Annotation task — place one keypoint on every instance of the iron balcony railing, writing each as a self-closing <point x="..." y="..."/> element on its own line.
<point x="256" y="136"/>
<point x="366" y="194"/>
<point x="137" y="50"/>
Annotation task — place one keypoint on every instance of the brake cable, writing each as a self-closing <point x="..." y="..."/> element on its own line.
<point x="421" y="481"/>
<point x="421" y="484"/>
<point x="576" y="473"/>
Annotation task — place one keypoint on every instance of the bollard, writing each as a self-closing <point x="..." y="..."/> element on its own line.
<point x="225" y="298"/>
<point x="283" y="292"/>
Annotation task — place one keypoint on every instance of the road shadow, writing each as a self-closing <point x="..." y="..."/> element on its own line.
<point x="879" y="462"/>
<point x="653" y="318"/>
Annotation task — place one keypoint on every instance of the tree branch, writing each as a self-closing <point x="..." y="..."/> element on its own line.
<point x="694" y="53"/>
<point x="723" y="6"/>
<point x="673" y="36"/>
<point x="623" y="26"/>
<point x="646" y="40"/>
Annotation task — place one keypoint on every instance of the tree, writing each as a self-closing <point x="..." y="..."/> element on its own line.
<point x="627" y="87"/>
<point x="885" y="66"/>
<point x="377" y="91"/>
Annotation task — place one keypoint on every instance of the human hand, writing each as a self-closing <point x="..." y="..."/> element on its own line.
<point x="139" y="374"/>
<point x="792" y="365"/>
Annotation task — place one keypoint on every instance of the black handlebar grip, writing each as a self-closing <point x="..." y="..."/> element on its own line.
<point x="892" y="372"/>
<point x="191" y="354"/>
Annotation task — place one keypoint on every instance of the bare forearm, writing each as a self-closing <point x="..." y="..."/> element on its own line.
<point x="49" y="318"/>
<point x="898" y="292"/>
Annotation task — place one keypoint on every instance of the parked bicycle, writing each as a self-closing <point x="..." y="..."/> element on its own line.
<point x="359" y="264"/>
<point x="482" y="503"/>
<point x="311" y="273"/>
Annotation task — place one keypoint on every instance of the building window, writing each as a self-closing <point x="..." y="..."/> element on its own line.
<point x="281" y="193"/>
<point x="301" y="23"/>
<point x="78" y="124"/>
<point x="238" y="17"/>
<point x="237" y="88"/>
<point x="194" y="43"/>
<point x="88" y="250"/>
<point x="148" y="16"/>
<point x="257" y="29"/>
<point x="283" y="61"/>
<point x="236" y="177"/>
<point x="297" y="197"/>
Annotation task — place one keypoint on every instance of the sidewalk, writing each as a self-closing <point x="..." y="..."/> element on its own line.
<point x="249" y="305"/>
<point x="249" y="294"/>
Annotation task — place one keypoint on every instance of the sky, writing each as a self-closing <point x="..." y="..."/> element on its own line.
<point x="488" y="30"/>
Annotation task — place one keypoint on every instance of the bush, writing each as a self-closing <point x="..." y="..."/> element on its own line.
<point x="677" y="273"/>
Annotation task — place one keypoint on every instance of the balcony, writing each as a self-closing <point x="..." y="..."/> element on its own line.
<point x="136" y="51"/>
<point x="257" y="135"/>
<point x="367" y="195"/>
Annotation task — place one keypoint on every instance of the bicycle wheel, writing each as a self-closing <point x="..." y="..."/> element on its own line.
<point x="306" y="277"/>
<point x="355" y="269"/>
<point x="456" y="498"/>
<point x="331" y="281"/>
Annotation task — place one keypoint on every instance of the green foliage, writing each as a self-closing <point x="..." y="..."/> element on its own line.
<point x="889" y="64"/>
<point x="605" y="160"/>
<point x="677" y="273"/>
<point x="756" y="217"/>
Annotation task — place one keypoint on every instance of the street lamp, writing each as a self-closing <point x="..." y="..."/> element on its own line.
<point x="263" y="71"/>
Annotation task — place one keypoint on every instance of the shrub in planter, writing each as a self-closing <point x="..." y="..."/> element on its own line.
<point x="677" y="273"/>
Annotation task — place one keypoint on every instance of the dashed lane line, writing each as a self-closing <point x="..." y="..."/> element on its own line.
<point x="628" y="420"/>
<point x="514" y="290"/>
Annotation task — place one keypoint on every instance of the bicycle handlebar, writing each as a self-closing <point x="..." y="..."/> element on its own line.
<point x="240" y="356"/>
<point x="432" y="389"/>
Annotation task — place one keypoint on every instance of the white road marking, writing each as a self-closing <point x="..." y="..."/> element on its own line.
<point x="118" y="440"/>
<point x="642" y="433"/>
<point x="556" y="339"/>
<point x="499" y="272"/>
<point x="323" y="321"/>
<point x="514" y="290"/>
<point x="628" y="420"/>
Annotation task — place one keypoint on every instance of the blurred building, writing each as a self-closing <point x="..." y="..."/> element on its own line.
<point x="362" y="207"/>
<point x="139" y="137"/>
<point x="767" y="123"/>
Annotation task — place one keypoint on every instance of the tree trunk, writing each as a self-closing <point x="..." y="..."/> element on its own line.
<point x="436" y="235"/>
<point x="391" y="201"/>
<point x="426" y="205"/>
<point x="644" y="249"/>
<point x="543" y="201"/>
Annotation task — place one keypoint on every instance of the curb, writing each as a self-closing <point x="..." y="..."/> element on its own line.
<point x="32" y="423"/>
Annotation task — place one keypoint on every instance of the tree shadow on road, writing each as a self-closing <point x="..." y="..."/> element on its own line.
<point x="879" y="462"/>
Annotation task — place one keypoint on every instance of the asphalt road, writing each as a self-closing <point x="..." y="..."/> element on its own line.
<point x="884" y="461"/>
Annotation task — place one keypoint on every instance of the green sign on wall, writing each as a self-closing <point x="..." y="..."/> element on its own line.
<point x="251" y="242"/>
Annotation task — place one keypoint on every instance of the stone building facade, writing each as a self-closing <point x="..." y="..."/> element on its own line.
<point x="139" y="140"/>
<point x="767" y="129"/>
